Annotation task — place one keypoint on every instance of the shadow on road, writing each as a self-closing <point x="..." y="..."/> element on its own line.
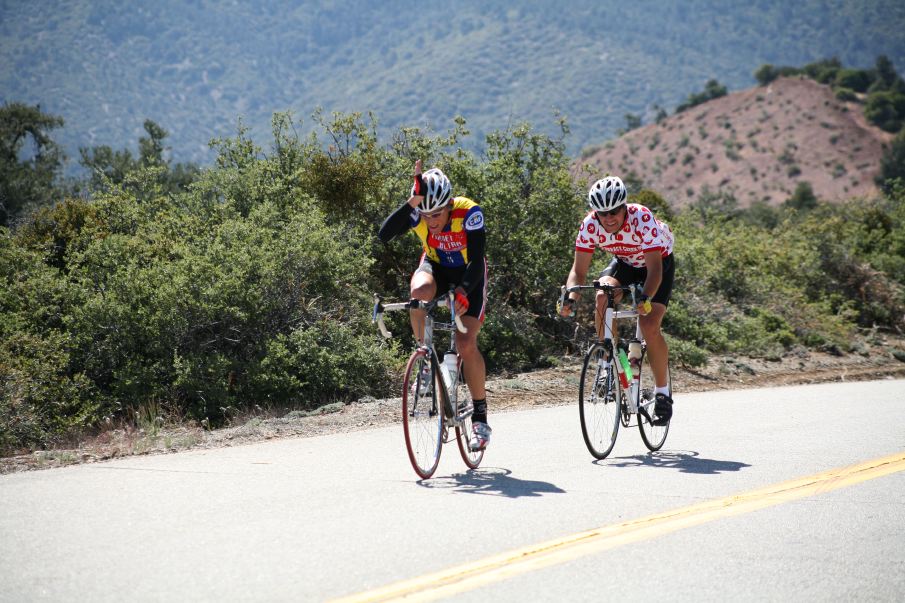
<point x="686" y="461"/>
<point x="493" y="481"/>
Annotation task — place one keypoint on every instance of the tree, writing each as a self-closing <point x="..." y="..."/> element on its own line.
<point x="803" y="198"/>
<point x="892" y="166"/>
<point x="30" y="160"/>
<point x="632" y="122"/>
<point x="858" y="80"/>
<point x="886" y="109"/>
<point x="886" y="75"/>
<point x="765" y="74"/>
<point x="713" y="89"/>
<point x="660" y="113"/>
<point x="823" y="71"/>
<point x="109" y="166"/>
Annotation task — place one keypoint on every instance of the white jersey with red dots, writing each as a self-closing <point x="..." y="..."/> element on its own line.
<point x="641" y="232"/>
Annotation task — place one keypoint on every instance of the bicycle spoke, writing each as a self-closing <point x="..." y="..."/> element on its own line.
<point x="599" y="403"/>
<point x="422" y="421"/>
<point x="464" y="432"/>
<point x="654" y="436"/>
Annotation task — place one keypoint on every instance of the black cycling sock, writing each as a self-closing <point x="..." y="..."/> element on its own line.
<point x="480" y="411"/>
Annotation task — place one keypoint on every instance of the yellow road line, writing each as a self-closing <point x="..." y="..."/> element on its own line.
<point x="472" y="575"/>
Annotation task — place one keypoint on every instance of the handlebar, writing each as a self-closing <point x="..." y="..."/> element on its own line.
<point x="415" y="304"/>
<point x="635" y="290"/>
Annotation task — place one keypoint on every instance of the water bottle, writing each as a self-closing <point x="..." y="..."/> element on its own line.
<point x="626" y="373"/>
<point x="451" y="364"/>
<point x="634" y="360"/>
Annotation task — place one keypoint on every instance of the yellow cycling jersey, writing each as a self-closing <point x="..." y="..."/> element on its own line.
<point x="449" y="247"/>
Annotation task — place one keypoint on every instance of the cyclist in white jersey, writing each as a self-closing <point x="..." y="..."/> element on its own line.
<point x="642" y="249"/>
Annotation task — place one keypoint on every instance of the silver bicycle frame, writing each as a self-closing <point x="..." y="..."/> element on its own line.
<point x="634" y="392"/>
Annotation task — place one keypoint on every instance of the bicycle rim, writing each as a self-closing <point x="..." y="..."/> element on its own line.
<point x="653" y="435"/>
<point x="464" y="433"/>
<point x="599" y="396"/>
<point x="421" y="420"/>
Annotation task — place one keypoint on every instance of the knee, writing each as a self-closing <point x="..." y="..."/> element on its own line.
<point x="650" y="326"/>
<point x="423" y="292"/>
<point x="467" y="347"/>
<point x="601" y="301"/>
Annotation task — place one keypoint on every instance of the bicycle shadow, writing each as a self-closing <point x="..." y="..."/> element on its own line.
<point x="686" y="461"/>
<point x="492" y="481"/>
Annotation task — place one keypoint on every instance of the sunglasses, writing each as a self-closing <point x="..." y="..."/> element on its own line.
<point x="432" y="215"/>
<point x="612" y="212"/>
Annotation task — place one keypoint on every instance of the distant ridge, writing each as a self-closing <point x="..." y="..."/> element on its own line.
<point x="756" y="145"/>
<point x="197" y="67"/>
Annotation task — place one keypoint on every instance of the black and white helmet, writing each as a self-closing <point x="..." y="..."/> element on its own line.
<point x="437" y="190"/>
<point x="607" y="194"/>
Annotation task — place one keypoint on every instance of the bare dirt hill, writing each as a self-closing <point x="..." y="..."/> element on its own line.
<point x="757" y="144"/>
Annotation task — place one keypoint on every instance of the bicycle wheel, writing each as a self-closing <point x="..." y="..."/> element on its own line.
<point x="599" y="397"/>
<point x="464" y="434"/>
<point x="653" y="435"/>
<point x="422" y="420"/>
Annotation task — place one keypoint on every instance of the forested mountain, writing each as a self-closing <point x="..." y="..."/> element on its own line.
<point x="197" y="66"/>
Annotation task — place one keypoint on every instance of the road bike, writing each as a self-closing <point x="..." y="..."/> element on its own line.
<point x="617" y="382"/>
<point x="434" y="394"/>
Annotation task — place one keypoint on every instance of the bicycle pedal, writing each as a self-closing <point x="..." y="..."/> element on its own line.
<point x="463" y="413"/>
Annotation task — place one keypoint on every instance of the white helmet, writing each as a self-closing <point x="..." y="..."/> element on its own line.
<point x="607" y="194"/>
<point x="437" y="190"/>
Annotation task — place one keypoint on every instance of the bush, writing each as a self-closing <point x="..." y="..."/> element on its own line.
<point x="846" y="95"/>
<point x="886" y="110"/>
<point x="253" y="287"/>
<point x="765" y="74"/>
<point x="892" y="165"/>
<point x="713" y="89"/>
<point x="858" y="80"/>
<point x="43" y="395"/>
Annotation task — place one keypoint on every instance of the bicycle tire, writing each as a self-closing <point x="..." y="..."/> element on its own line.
<point x="653" y="436"/>
<point x="422" y="421"/>
<point x="464" y="433"/>
<point x="599" y="402"/>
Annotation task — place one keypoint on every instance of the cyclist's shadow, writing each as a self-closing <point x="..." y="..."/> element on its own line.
<point x="686" y="461"/>
<point x="493" y="481"/>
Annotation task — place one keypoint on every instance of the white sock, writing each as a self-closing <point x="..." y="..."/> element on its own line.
<point x="662" y="390"/>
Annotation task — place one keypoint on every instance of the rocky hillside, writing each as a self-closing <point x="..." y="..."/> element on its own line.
<point x="757" y="144"/>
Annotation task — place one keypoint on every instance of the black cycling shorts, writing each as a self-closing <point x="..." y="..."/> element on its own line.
<point x="627" y="274"/>
<point x="445" y="277"/>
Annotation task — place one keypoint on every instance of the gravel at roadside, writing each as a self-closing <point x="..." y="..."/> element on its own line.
<point x="547" y="387"/>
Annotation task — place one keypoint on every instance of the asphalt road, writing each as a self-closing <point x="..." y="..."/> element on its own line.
<point x="326" y="517"/>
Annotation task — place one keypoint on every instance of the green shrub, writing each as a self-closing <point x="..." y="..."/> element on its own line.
<point x="43" y="394"/>
<point x="858" y="80"/>
<point x="846" y="95"/>
<point x="886" y="110"/>
<point x="253" y="287"/>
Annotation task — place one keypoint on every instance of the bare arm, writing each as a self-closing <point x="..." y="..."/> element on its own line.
<point x="577" y="276"/>
<point x="579" y="273"/>
<point x="654" y="263"/>
<point x="398" y="222"/>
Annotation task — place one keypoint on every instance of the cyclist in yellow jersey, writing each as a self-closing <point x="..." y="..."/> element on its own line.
<point x="452" y="237"/>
